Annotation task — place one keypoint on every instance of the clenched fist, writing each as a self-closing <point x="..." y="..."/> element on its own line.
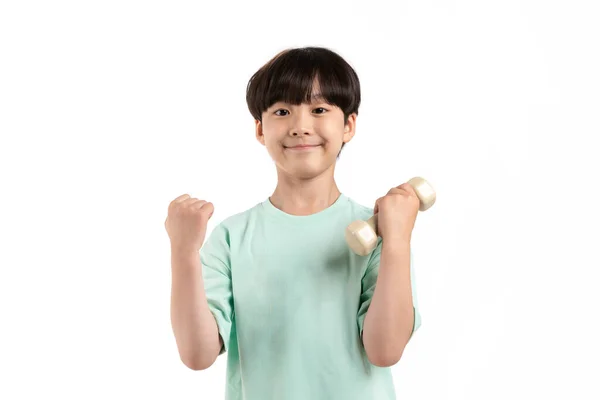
<point x="186" y="222"/>
<point x="397" y="213"/>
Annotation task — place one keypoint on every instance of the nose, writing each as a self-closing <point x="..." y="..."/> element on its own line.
<point x="300" y="133"/>
<point x="301" y="124"/>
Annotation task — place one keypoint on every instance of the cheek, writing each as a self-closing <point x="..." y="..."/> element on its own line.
<point x="335" y="136"/>
<point x="270" y="138"/>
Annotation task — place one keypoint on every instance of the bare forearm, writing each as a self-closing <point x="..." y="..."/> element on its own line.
<point x="193" y="324"/>
<point x="389" y="320"/>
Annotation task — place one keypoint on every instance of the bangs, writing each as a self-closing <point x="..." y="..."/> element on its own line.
<point x="304" y="76"/>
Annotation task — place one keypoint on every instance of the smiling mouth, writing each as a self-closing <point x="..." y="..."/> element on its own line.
<point x="305" y="146"/>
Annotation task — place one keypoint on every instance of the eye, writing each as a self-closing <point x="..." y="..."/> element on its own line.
<point x="318" y="108"/>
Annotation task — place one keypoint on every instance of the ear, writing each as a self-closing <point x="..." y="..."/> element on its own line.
<point x="349" y="128"/>
<point x="259" y="132"/>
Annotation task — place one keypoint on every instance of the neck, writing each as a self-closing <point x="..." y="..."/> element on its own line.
<point x="298" y="196"/>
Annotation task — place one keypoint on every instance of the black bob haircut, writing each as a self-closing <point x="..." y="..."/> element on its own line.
<point x="290" y="75"/>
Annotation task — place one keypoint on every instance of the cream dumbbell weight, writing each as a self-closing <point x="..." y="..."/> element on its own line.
<point x="362" y="236"/>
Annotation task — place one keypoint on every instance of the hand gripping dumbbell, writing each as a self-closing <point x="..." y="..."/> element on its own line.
<point x="362" y="236"/>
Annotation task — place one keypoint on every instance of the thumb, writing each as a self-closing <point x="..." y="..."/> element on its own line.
<point x="211" y="207"/>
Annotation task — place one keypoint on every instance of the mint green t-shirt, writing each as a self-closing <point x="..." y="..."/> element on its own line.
<point x="290" y="297"/>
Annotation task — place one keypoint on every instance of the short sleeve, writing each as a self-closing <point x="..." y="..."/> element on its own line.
<point x="216" y="272"/>
<point x="369" y="281"/>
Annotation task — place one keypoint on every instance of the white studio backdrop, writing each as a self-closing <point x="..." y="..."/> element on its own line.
<point x="109" y="110"/>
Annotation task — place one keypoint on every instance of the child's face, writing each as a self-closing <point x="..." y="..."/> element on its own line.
<point x="318" y="124"/>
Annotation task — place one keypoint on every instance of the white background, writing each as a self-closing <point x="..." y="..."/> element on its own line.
<point x="109" y="110"/>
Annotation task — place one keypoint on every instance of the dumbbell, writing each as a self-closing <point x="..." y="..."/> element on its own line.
<point x="362" y="236"/>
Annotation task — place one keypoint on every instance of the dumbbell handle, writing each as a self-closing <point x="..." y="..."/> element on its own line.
<point x="373" y="223"/>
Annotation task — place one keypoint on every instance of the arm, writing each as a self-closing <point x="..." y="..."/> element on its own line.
<point x="389" y="320"/>
<point x="194" y="326"/>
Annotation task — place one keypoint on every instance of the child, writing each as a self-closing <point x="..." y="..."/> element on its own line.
<point x="277" y="286"/>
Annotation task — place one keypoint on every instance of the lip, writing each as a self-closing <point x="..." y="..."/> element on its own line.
<point x="303" y="146"/>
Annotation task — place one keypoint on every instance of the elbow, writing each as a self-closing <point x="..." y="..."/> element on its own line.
<point x="200" y="359"/>
<point x="197" y="367"/>
<point x="381" y="351"/>
<point x="197" y="364"/>
<point x="384" y="360"/>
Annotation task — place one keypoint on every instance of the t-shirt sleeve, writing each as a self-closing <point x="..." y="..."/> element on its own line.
<point x="369" y="281"/>
<point x="216" y="272"/>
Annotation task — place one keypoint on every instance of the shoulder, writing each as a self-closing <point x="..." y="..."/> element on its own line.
<point x="223" y="234"/>
<point x="235" y="223"/>
<point x="240" y="218"/>
<point x="359" y="210"/>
